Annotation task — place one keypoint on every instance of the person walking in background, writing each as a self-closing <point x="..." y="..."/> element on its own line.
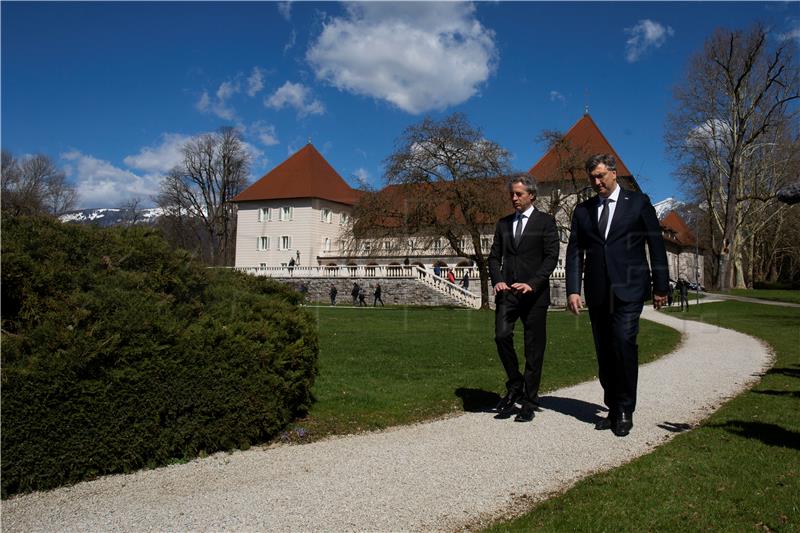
<point x="670" y="294"/>
<point x="362" y="297"/>
<point x="683" y="290"/>
<point x="354" y="293"/>
<point x="606" y="251"/>
<point x="437" y="270"/>
<point x="523" y="255"/>
<point x="332" y="293"/>
<point x="465" y="280"/>
<point x="377" y="295"/>
<point x="451" y="277"/>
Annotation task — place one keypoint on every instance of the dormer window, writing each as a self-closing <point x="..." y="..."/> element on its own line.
<point x="286" y="213"/>
<point x="264" y="214"/>
<point x="343" y="219"/>
<point x="325" y="216"/>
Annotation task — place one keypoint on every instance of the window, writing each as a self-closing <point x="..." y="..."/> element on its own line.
<point x="264" y="214"/>
<point x="326" y="244"/>
<point x="438" y="246"/>
<point x="387" y="245"/>
<point x="486" y="244"/>
<point x="464" y="243"/>
<point x="263" y="266"/>
<point x="411" y="244"/>
<point x="286" y="242"/>
<point x="343" y="219"/>
<point x="286" y="213"/>
<point x="367" y="246"/>
<point x="325" y="216"/>
<point x="263" y="243"/>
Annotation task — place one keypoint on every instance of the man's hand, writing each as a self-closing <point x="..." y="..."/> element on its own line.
<point x="574" y="304"/>
<point x="659" y="301"/>
<point x="500" y="287"/>
<point x="522" y="288"/>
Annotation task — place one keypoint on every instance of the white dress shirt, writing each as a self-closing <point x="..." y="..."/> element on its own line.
<point x="611" y="206"/>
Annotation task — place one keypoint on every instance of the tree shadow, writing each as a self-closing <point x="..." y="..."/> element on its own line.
<point x="794" y="393"/>
<point x="770" y="434"/>
<point x="477" y="400"/>
<point x="792" y="372"/>
<point x="583" y="411"/>
<point x="675" y="427"/>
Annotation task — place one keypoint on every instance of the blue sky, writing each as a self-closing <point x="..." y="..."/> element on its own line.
<point x="112" y="90"/>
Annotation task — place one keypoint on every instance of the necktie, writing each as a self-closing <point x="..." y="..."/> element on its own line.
<point x="518" y="230"/>
<point x="602" y="224"/>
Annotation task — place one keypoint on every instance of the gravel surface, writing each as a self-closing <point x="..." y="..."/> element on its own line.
<point x="444" y="475"/>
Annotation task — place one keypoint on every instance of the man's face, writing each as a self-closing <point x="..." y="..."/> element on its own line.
<point x="520" y="197"/>
<point x="603" y="181"/>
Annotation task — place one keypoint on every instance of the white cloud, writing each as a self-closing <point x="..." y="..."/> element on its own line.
<point x="418" y="56"/>
<point x="255" y="82"/>
<point x="791" y="34"/>
<point x="203" y="103"/>
<point x="362" y="177"/>
<point x="285" y="9"/>
<point x="160" y="158"/>
<point x="264" y="133"/>
<point x="101" y="184"/>
<point x="292" y="39"/>
<point x="645" y="35"/>
<point x="556" y="96"/>
<point x="295" y="95"/>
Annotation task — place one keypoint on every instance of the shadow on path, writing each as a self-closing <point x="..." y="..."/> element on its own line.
<point x="583" y="411"/>
<point x="477" y="400"/>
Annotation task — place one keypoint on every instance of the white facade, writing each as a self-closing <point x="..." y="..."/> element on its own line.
<point x="272" y="232"/>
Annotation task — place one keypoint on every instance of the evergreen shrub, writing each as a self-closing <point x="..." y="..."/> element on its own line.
<point x="120" y="353"/>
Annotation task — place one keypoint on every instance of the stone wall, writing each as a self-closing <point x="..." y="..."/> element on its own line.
<point x="395" y="291"/>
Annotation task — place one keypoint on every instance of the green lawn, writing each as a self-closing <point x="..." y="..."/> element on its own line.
<point x="768" y="294"/>
<point x="739" y="471"/>
<point x="396" y="365"/>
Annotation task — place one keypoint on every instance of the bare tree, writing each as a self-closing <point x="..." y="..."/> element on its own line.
<point x="731" y="118"/>
<point x="445" y="180"/>
<point x="196" y="195"/>
<point x="35" y="185"/>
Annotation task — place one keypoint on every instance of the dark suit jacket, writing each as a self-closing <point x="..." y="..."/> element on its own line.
<point x="533" y="261"/>
<point x="620" y="259"/>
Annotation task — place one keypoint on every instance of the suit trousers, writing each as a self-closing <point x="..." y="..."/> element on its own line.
<point x="510" y="308"/>
<point x="615" y="325"/>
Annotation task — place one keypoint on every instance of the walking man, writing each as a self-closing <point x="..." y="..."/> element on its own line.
<point x="607" y="249"/>
<point x="523" y="255"/>
<point x="333" y="292"/>
<point x="377" y="296"/>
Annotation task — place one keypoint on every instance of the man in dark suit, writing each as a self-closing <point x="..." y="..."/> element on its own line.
<point x="523" y="255"/>
<point x="607" y="248"/>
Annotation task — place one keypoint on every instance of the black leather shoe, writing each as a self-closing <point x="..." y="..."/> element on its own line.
<point x="605" y="423"/>
<point x="506" y="406"/>
<point x="622" y="426"/>
<point x="525" y="414"/>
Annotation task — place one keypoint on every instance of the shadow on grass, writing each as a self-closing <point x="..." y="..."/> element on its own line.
<point x="793" y="393"/>
<point x="792" y="372"/>
<point x="770" y="434"/>
<point x="477" y="400"/>
<point x="583" y="411"/>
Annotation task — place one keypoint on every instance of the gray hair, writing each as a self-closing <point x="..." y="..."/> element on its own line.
<point x="525" y="179"/>
<point x="601" y="159"/>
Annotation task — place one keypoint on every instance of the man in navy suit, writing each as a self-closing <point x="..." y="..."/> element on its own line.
<point x="523" y="255"/>
<point x="607" y="248"/>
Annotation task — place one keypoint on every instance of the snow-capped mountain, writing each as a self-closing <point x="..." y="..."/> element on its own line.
<point x="107" y="217"/>
<point x="665" y="206"/>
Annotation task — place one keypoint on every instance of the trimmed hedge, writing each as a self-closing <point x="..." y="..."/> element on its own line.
<point x="120" y="353"/>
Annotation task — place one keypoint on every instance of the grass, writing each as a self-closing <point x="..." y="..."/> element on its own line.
<point x="738" y="471"/>
<point x="791" y="296"/>
<point x="397" y="365"/>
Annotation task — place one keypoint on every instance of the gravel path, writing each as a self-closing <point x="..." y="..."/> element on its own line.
<point x="443" y="475"/>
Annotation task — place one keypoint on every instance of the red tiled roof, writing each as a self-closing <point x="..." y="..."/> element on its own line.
<point x="585" y="138"/>
<point x="673" y="222"/>
<point x="305" y="174"/>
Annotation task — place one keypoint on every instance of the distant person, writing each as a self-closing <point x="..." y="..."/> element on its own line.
<point x="437" y="270"/>
<point x="607" y="254"/>
<point x="451" y="277"/>
<point x="362" y="297"/>
<point x="683" y="290"/>
<point x="291" y="266"/>
<point x="523" y="255"/>
<point x="465" y="280"/>
<point x="354" y="293"/>
<point x="377" y="296"/>
<point x="670" y="294"/>
<point x="332" y="293"/>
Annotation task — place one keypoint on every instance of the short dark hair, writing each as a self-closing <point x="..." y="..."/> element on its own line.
<point x="525" y="179"/>
<point x="601" y="159"/>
